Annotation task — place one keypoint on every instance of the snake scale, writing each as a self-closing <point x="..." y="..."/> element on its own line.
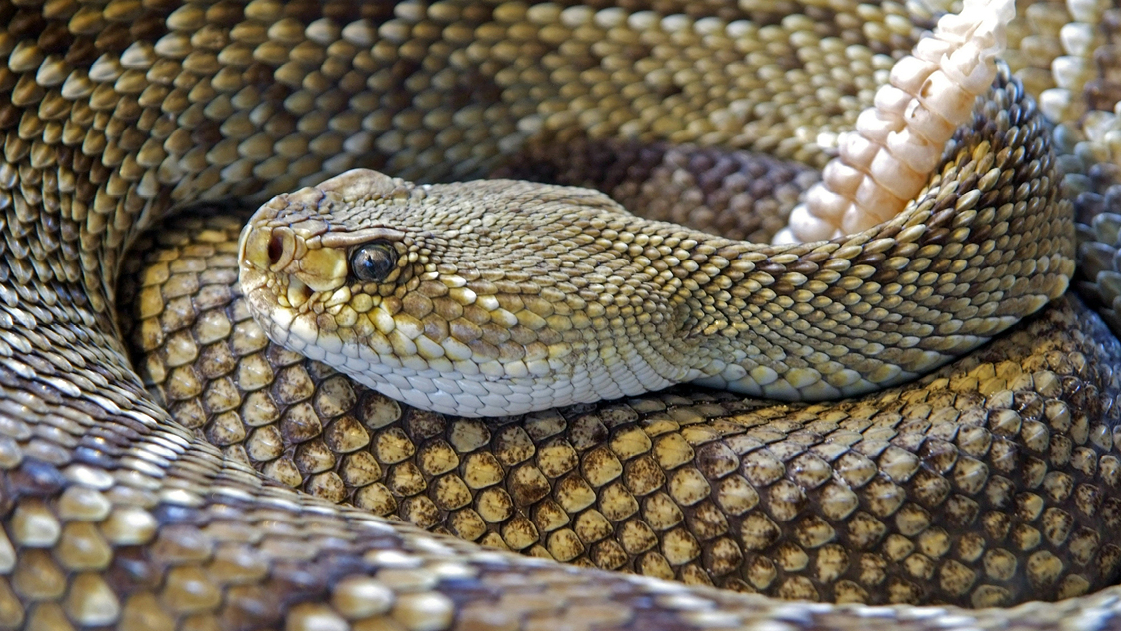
<point x="992" y="481"/>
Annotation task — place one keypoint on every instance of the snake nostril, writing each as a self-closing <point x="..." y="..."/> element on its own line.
<point x="276" y="248"/>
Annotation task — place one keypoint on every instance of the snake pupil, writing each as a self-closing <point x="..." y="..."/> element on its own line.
<point x="373" y="262"/>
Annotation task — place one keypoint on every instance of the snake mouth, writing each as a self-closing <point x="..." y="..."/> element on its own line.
<point x="283" y="291"/>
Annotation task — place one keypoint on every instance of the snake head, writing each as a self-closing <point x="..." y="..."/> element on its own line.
<point x="308" y="277"/>
<point x="483" y="298"/>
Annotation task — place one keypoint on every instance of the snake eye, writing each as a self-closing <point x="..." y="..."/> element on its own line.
<point x="373" y="262"/>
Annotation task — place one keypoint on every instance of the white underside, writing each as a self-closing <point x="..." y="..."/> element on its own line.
<point x="470" y="392"/>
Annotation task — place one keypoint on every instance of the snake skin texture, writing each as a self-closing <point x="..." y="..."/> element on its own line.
<point x="506" y="297"/>
<point x="669" y="487"/>
<point x="119" y="514"/>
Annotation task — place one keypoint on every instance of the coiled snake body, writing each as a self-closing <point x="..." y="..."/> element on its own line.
<point x="990" y="482"/>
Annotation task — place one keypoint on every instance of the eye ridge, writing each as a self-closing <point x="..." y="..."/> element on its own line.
<point x="374" y="261"/>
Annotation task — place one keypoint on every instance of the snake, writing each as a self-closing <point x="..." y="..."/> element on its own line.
<point x="986" y="483"/>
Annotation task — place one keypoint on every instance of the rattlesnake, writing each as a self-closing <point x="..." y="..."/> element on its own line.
<point x="115" y="515"/>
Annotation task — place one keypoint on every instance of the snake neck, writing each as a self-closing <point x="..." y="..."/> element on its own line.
<point x="970" y="257"/>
